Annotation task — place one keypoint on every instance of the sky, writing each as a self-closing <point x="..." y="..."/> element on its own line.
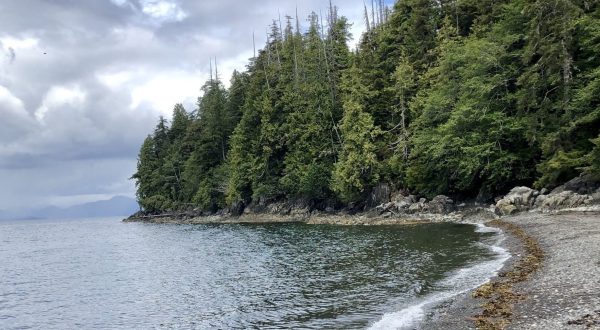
<point x="82" y="82"/>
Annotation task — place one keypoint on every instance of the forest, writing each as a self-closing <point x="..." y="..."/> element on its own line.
<point x="466" y="98"/>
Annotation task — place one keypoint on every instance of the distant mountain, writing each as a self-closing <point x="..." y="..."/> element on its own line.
<point x="116" y="206"/>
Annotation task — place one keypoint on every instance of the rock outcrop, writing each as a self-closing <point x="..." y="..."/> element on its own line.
<point x="579" y="192"/>
<point x="517" y="200"/>
<point x="440" y="205"/>
<point x="410" y="205"/>
<point x="562" y="200"/>
<point x="582" y="185"/>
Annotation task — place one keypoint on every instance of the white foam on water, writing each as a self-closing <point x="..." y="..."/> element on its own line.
<point x="459" y="282"/>
<point x="485" y="229"/>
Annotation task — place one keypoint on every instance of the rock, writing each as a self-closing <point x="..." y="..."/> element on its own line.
<point x="518" y="199"/>
<point x="544" y="191"/>
<point x="506" y="209"/>
<point x="596" y="196"/>
<point x="417" y="207"/>
<point x="564" y="199"/>
<point x="583" y="184"/>
<point x="402" y="204"/>
<point x="539" y="201"/>
<point x="398" y="195"/>
<point x="387" y="215"/>
<point x="278" y="208"/>
<point x="440" y="205"/>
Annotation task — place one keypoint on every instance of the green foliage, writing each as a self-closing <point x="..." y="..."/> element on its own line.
<point x="357" y="168"/>
<point x="593" y="159"/>
<point x="156" y="203"/>
<point x="459" y="97"/>
<point x="464" y="141"/>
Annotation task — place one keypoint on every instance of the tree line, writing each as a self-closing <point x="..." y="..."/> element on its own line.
<point x="460" y="97"/>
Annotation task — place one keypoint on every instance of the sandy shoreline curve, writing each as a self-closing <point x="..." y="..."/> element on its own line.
<point x="564" y="293"/>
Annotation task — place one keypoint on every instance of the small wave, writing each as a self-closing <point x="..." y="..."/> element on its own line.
<point x="459" y="282"/>
<point x="481" y="228"/>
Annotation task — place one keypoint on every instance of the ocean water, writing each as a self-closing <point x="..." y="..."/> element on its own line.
<point x="105" y="274"/>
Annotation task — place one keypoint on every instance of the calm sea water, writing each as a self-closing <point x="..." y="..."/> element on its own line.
<point x="102" y="273"/>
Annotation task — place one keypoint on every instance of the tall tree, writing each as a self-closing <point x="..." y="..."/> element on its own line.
<point x="357" y="169"/>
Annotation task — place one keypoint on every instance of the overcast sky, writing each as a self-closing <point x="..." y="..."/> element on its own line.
<point x="82" y="82"/>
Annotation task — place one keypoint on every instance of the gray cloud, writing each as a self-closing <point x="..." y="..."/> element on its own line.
<point x="11" y="55"/>
<point x="83" y="82"/>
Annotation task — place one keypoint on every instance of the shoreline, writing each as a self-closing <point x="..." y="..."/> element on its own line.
<point x="469" y="215"/>
<point x="562" y="293"/>
<point x="539" y="299"/>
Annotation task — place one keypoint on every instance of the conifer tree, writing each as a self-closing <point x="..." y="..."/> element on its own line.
<point x="357" y="168"/>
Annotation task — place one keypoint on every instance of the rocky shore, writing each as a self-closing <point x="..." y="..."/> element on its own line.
<point x="564" y="293"/>
<point x="552" y="280"/>
<point x="579" y="194"/>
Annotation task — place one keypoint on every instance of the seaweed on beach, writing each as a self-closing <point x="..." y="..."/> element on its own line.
<point x="588" y="320"/>
<point x="499" y="294"/>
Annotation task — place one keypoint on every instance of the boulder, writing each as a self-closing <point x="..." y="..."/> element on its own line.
<point x="596" y="195"/>
<point x="562" y="200"/>
<point x="506" y="209"/>
<point x="402" y="203"/>
<point x="440" y="205"/>
<point x="583" y="184"/>
<point x="281" y="208"/>
<point x="418" y="206"/>
<point x="399" y="204"/>
<point x="539" y="201"/>
<point x="517" y="200"/>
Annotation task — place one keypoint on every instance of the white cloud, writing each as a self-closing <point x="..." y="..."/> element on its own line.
<point x="15" y="122"/>
<point x="163" y="10"/>
<point x="114" y="80"/>
<point x="162" y="91"/>
<point x="119" y="3"/>
<point x="19" y="43"/>
<point x="10" y="103"/>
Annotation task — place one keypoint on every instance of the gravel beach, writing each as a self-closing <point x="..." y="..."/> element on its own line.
<point x="563" y="294"/>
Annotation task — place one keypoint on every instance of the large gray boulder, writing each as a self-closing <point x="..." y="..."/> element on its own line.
<point x="563" y="200"/>
<point x="418" y="206"/>
<point x="517" y="200"/>
<point x="402" y="203"/>
<point x="440" y="205"/>
<point x="399" y="204"/>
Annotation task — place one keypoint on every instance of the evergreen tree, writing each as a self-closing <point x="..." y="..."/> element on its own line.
<point x="459" y="97"/>
<point x="568" y="150"/>
<point x="357" y="168"/>
<point x="465" y="140"/>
